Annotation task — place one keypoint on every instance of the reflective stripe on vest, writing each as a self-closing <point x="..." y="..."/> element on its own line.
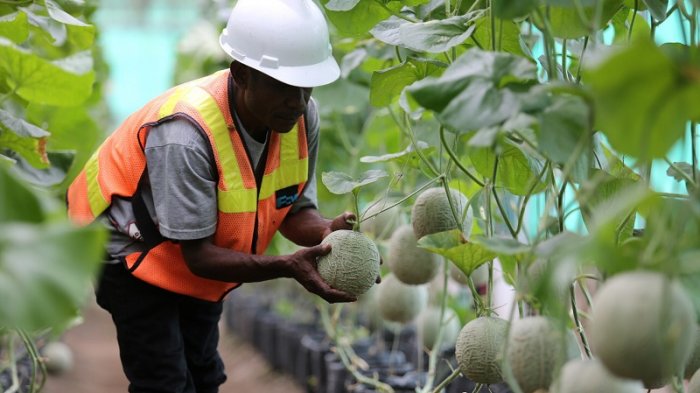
<point x="204" y="101"/>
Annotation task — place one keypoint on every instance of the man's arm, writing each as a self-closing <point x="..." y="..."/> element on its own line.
<point x="307" y="227"/>
<point x="210" y="261"/>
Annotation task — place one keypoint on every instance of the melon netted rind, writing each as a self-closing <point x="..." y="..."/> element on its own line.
<point x="399" y="302"/>
<point x="693" y="363"/>
<point x="590" y="376"/>
<point x="431" y="213"/>
<point x="429" y="323"/>
<point x="479" y="349"/>
<point x="694" y="384"/>
<point x="352" y="265"/>
<point x="535" y="351"/>
<point x="642" y="326"/>
<point x="383" y="225"/>
<point x="409" y="263"/>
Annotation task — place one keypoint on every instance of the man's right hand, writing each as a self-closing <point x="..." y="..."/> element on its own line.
<point x="303" y="264"/>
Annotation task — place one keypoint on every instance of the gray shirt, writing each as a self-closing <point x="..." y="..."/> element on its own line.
<point x="182" y="180"/>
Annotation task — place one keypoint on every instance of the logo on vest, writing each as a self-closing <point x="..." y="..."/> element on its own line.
<point x="286" y="196"/>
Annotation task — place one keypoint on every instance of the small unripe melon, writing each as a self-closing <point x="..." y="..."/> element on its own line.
<point x="642" y="326"/>
<point x="429" y="323"/>
<point x="590" y="376"/>
<point x="432" y="213"/>
<point x="535" y="351"/>
<point x="58" y="357"/>
<point x="693" y="363"/>
<point x="383" y="225"/>
<point x="352" y="265"/>
<point x="480" y="275"/>
<point x="694" y="384"/>
<point x="409" y="263"/>
<point x="479" y="349"/>
<point x="399" y="302"/>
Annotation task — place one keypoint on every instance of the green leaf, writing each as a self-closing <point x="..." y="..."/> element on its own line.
<point x="450" y="244"/>
<point x="508" y="37"/>
<point x="387" y="84"/>
<point x="47" y="177"/>
<point x="642" y="101"/>
<point x="512" y="9"/>
<point x="351" y="61"/>
<point x="58" y="14"/>
<point x="358" y="20"/>
<point x="17" y="202"/>
<point x="657" y="8"/>
<point x="562" y="127"/>
<point x="478" y="90"/>
<point x="436" y="36"/>
<point x="14" y="26"/>
<point x="24" y="138"/>
<point x="567" y="22"/>
<point x="36" y="295"/>
<point x="407" y="155"/>
<point x="516" y="171"/>
<point x="41" y="81"/>
<point x="388" y="31"/>
<point x="341" y="183"/>
<point x="341" y="5"/>
<point x="603" y="191"/>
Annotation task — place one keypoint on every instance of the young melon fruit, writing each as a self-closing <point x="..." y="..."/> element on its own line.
<point x="480" y="275"/>
<point x="694" y="384"/>
<point x="353" y="263"/>
<point x="642" y="326"/>
<point x="535" y="351"/>
<point x="590" y="376"/>
<point x="409" y="263"/>
<point x="399" y="302"/>
<point x="432" y="212"/>
<point x="429" y="323"/>
<point x="57" y="357"/>
<point x="383" y="224"/>
<point x="693" y="363"/>
<point x="479" y="349"/>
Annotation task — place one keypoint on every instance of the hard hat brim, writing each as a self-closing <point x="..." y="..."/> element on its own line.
<point x="313" y="75"/>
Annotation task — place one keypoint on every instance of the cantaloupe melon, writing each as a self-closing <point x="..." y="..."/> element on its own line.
<point x="431" y="213"/>
<point x="429" y="323"/>
<point x="383" y="225"/>
<point x="409" y="263"/>
<point x="642" y="326"/>
<point x="399" y="302"/>
<point x="694" y="384"/>
<point x="480" y="275"/>
<point x="479" y="349"/>
<point x="353" y="263"/>
<point x="535" y="351"/>
<point x="590" y="376"/>
<point x="693" y="363"/>
<point x="57" y="357"/>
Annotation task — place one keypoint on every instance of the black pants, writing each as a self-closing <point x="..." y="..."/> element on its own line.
<point x="167" y="342"/>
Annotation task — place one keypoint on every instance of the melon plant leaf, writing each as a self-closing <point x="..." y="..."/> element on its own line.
<point x="567" y="22"/>
<point x="351" y="61"/>
<point x="6" y="162"/>
<point x="604" y="189"/>
<point x="14" y="26"/>
<point x="388" y="30"/>
<point x="341" y="5"/>
<point x="44" y="26"/>
<point x="657" y="8"/>
<point x="17" y="202"/>
<point x="38" y="80"/>
<point x="516" y="171"/>
<point x="360" y="19"/>
<point x="437" y="36"/>
<point x="641" y="119"/>
<point x="342" y="183"/>
<point x="408" y="155"/>
<point x="465" y="255"/>
<point x="58" y="14"/>
<point x="387" y="84"/>
<point x="54" y="175"/>
<point x="24" y="138"/>
<point x="508" y="37"/>
<point x="34" y="296"/>
<point x="512" y="9"/>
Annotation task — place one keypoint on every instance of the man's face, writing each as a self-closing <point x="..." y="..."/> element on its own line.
<point x="275" y="104"/>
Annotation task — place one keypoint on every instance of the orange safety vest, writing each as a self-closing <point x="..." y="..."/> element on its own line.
<point x="248" y="215"/>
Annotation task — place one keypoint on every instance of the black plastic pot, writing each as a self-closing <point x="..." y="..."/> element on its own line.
<point x="310" y="366"/>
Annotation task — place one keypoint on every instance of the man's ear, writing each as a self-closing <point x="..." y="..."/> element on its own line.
<point x="241" y="74"/>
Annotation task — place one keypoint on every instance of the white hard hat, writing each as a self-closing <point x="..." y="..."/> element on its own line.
<point x="285" y="39"/>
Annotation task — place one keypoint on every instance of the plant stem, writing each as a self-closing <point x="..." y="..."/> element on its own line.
<point x="564" y="53"/>
<point x="680" y="172"/>
<point x="456" y="160"/>
<point x="505" y="364"/>
<point x="579" y="326"/>
<point x="433" y="360"/>
<point x="396" y="14"/>
<point x="492" y="18"/>
<point x="634" y="17"/>
<point x="356" y="206"/>
<point x="421" y="188"/>
<point x="580" y="60"/>
<point x="498" y="201"/>
<point x="450" y="378"/>
<point x="409" y="131"/>
<point x="523" y="206"/>
<point x="693" y="149"/>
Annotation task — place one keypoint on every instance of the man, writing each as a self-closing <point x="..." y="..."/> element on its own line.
<point x="194" y="185"/>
